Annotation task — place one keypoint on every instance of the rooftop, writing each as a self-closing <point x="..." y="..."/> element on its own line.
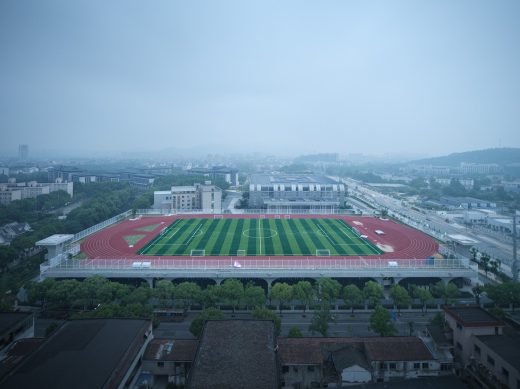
<point x="54" y="240"/>
<point x="235" y="353"/>
<point x="308" y="351"/>
<point x="179" y="350"/>
<point x="473" y="317"/>
<point x="281" y="178"/>
<point x="81" y="354"/>
<point x="505" y="345"/>
<point x="8" y="320"/>
<point x="444" y="382"/>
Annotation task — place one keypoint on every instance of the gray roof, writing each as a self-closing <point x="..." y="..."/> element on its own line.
<point x="81" y="354"/>
<point x="444" y="382"/>
<point x="235" y="354"/>
<point x="506" y="345"/>
<point x="8" y="320"/>
<point x="473" y="316"/>
<point x="304" y="178"/>
<point x="350" y="355"/>
<point x="438" y="335"/>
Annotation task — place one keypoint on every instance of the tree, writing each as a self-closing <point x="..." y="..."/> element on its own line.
<point x="504" y="294"/>
<point x="320" y="320"/>
<point x="164" y="292"/>
<point x="303" y="291"/>
<point x="262" y="313"/>
<point x="352" y="296"/>
<point x="400" y="296"/>
<point x="373" y="292"/>
<point x="211" y="295"/>
<point x="295" y="332"/>
<point x="282" y="292"/>
<point x="187" y="293"/>
<point x="381" y="322"/>
<point x="197" y="324"/>
<point x="328" y="289"/>
<point x="424" y="295"/>
<point x="232" y="291"/>
<point x="254" y="296"/>
<point x="484" y="262"/>
<point x="446" y="291"/>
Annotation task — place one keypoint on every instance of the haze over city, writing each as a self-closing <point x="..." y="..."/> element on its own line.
<point x="278" y="77"/>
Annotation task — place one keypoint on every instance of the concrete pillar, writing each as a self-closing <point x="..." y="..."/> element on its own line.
<point x="218" y="281"/>
<point x="150" y="282"/>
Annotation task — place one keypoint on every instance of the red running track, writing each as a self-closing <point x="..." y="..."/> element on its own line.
<point x="406" y="243"/>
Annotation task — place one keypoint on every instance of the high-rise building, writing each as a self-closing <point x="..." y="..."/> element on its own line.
<point x="23" y="152"/>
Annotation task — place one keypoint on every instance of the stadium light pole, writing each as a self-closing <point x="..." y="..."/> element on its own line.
<point x="514" y="268"/>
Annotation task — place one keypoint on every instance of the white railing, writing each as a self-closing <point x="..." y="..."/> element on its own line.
<point x="238" y="263"/>
<point x="91" y="230"/>
<point x="244" y="211"/>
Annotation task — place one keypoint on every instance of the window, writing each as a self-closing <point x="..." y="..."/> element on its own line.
<point x="425" y="365"/>
<point x="505" y="373"/>
<point x="491" y="361"/>
<point x="285" y="369"/>
<point x="416" y="365"/>
<point x="459" y="346"/>
<point x="392" y="366"/>
<point x="310" y="368"/>
<point x="476" y="349"/>
<point x="382" y="366"/>
<point x="160" y="364"/>
<point x="459" y="326"/>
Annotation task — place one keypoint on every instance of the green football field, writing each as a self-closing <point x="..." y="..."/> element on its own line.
<point x="258" y="237"/>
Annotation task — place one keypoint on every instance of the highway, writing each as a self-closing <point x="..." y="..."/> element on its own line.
<point x="432" y="222"/>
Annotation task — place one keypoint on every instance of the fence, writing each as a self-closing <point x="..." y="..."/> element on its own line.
<point x="91" y="230"/>
<point x="244" y="211"/>
<point x="239" y="263"/>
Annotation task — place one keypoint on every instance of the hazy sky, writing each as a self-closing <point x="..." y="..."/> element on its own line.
<point x="343" y="76"/>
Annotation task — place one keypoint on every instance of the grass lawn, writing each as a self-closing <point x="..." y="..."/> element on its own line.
<point x="259" y="237"/>
<point x="133" y="239"/>
<point x="149" y="228"/>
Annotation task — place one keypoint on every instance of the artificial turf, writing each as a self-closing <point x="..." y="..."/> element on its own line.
<point x="258" y="237"/>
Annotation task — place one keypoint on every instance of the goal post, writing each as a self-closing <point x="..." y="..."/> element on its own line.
<point x="218" y="216"/>
<point x="197" y="253"/>
<point x="322" y="253"/>
<point x="287" y="216"/>
<point x="277" y="216"/>
<point x="241" y="253"/>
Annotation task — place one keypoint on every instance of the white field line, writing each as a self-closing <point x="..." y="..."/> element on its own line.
<point x="193" y="235"/>
<point x="326" y="235"/>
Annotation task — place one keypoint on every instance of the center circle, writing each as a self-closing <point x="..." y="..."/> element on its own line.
<point x="257" y="233"/>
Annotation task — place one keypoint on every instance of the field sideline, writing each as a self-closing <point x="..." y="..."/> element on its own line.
<point x="258" y="237"/>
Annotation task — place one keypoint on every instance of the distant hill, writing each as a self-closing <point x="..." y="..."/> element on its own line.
<point x="502" y="156"/>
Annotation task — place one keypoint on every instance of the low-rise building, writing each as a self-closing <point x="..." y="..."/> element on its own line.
<point x="14" y="326"/>
<point x="169" y="361"/>
<point x="314" y="362"/>
<point x="11" y="230"/>
<point x="485" y="346"/>
<point x="236" y="354"/>
<point x="89" y="354"/>
<point x="199" y="197"/>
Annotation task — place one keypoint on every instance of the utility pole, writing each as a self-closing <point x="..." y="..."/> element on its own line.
<point x="515" y="260"/>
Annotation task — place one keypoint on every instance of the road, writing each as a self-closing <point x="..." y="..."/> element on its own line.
<point x="433" y="222"/>
<point x="342" y="325"/>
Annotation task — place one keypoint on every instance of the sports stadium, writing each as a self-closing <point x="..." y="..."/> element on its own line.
<point x="252" y="246"/>
<point x="255" y="236"/>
